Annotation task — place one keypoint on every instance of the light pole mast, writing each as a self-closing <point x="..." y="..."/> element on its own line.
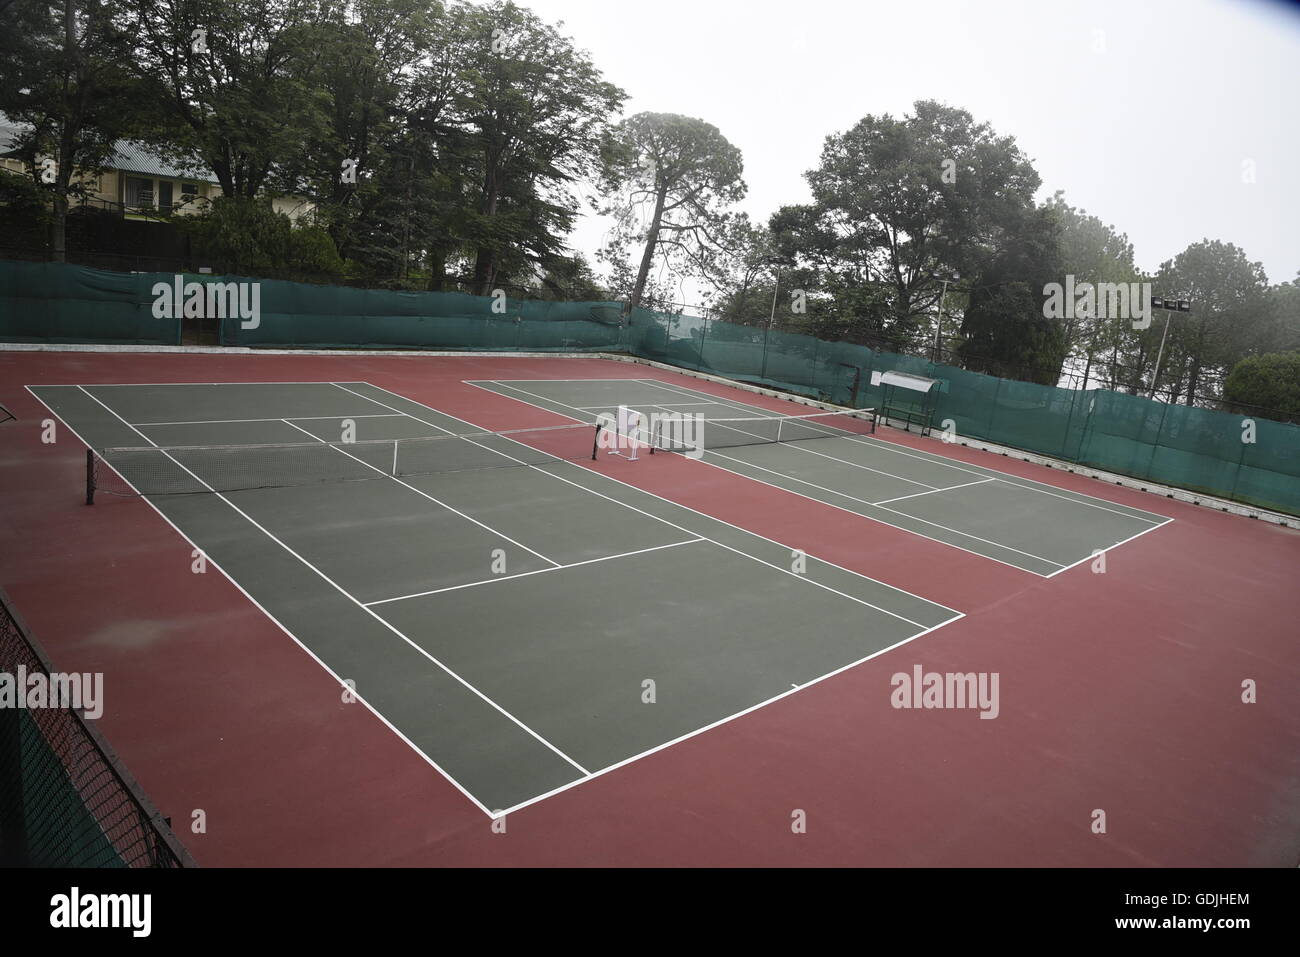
<point x="938" y="326"/>
<point x="771" y="320"/>
<point x="1171" y="305"/>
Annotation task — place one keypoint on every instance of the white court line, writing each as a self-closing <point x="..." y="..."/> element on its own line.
<point x="537" y="571"/>
<point x="279" y="624"/>
<point x="933" y="491"/>
<point x="823" y="502"/>
<point x="127" y="385"/>
<point x="588" y="775"/>
<point x="298" y="418"/>
<point x="346" y="594"/>
<point x="721" y="721"/>
<point x="423" y="493"/>
<point x="596" y="408"/>
<point x="925" y="630"/>
<point x="711" y="518"/>
<point x="935" y="459"/>
<point x="799" y="448"/>
<point x="1116" y="545"/>
<point x="845" y="495"/>
<point x="732" y="428"/>
<point x="854" y="498"/>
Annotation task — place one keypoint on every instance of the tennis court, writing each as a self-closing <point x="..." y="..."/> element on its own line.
<point x="426" y="605"/>
<point x="1034" y="527"/>
<point x="519" y="616"/>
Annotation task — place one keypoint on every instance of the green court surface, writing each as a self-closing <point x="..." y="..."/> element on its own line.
<point x="1032" y="526"/>
<point x="521" y="619"/>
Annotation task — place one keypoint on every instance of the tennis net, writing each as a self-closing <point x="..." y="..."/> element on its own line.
<point x="681" y="434"/>
<point x="184" y="470"/>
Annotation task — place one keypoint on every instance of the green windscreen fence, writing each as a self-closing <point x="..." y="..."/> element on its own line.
<point x="1256" y="461"/>
<point x="1191" y="448"/>
<point x="54" y="302"/>
<point x="334" y="317"/>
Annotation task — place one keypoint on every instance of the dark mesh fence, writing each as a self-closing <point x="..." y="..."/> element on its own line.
<point x="65" y="800"/>
<point x="1183" y="446"/>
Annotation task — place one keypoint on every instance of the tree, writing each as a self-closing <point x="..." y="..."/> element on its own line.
<point x="843" y="301"/>
<point x="903" y="203"/>
<point x="570" y="278"/>
<point x="246" y="236"/>
<point x="1229" y="312"/>
<point x="371" y="174"/>
<point x="236" y="84"/>
<point x="1093" y="252"/>
<point x="1004" y="329"/>
<point x="671" y="178"/>
<point x="66" y="81"/>
<point x="537" y="113"/>
<point x="1281" y="332"/>
<point x="1269" y="383"/>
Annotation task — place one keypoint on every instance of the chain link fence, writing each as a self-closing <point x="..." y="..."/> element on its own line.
<point x="65" y="799"/>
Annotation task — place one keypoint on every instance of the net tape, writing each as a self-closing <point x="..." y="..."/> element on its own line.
<point x="680" y="434"/>
<point x="183" y="470"/>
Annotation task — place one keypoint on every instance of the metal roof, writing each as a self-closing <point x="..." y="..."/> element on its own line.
<point x="128" y="156"/>
<point x="906" y="380"/>
<point x="8" y="134"/>
<point x="133" y="157"/>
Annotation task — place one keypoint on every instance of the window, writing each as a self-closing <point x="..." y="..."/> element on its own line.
<point x="139" y="192"/>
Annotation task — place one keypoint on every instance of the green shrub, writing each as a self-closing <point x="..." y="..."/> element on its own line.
<point x="1268" y="382"/>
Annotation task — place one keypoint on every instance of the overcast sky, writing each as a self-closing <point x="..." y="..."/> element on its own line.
<point x="1142" y="111"/>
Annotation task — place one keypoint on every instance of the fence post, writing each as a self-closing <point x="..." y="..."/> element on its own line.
<point x="812" y="384"/>
<point x="1241" y="460"/>
<point x="1087" y="424"/>
<point x="1155" y="446"/>
<point x="993" y="408"/>
<point x="1065" y="439"/>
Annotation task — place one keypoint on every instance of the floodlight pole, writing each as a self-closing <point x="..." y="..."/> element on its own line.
<point x="1171" y="305"/>
<point x="1160" y="353"/>
<point x="771" y="320"/>
<point x="938" y="326"/>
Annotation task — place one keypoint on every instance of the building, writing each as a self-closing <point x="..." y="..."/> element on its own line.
<point x="142" y="185"/>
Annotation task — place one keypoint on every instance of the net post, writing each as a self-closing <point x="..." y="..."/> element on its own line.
<point x="90" y="476"/>
<point x="595" y="444"/>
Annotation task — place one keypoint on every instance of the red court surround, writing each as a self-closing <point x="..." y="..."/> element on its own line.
<point x="1120" y="691"/>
